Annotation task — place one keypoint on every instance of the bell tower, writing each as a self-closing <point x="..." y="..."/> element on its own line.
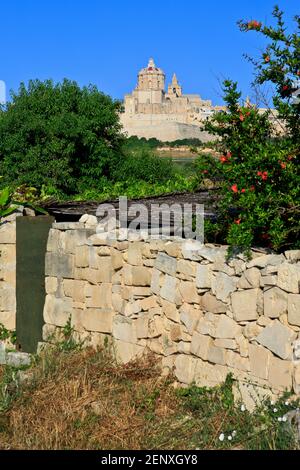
<point x="174" y="88"/>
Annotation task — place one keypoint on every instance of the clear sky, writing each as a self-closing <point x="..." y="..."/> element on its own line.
<point x="107" y="42"/>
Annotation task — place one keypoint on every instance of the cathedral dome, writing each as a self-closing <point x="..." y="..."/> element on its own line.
<point x="151" y="69"/>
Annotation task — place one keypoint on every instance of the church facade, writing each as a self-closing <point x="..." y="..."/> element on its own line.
<point x="151" y="110"/>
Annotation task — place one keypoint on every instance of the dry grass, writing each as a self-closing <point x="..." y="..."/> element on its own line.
<point x="80" y="401"/>
<point x="83" y="400"/>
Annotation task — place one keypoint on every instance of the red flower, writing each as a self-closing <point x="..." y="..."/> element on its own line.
<point x="229" y="154"/>
<point x="264" y="175"/>
<point x="283" y="165"/>
<point x="298" y="73"/>
<point x="234" y="188"/>
<point x="238" y="221"/>
<point x="253" y="24"/>
<point x="252" y="188"/>
<point x="205" y="171"/>
<point x="267" y="58"/>
<point x="223" y="159"/>
<point x="241" y="117"/>
<point x="285" y="88"/>
<point x="243" y="190"/>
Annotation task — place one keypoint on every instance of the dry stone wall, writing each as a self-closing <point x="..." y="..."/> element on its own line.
<point x="203" y="316"/>
<point x="8" y="272"/>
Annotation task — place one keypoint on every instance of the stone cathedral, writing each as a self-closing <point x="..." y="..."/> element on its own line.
<point x="151" y="111"/>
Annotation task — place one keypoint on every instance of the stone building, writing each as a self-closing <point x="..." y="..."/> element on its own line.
<point x="151" y="111"/>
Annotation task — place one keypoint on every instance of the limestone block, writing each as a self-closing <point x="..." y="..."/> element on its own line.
<point x="289" y="277"/>
<point x="189" y="292"/>
<point x="243" y="345"/>
<point x="226" y="343"/>
<point x="117" y="278"/>
<point x="156" y="327"/>
<point x="211" y="254"/>
<point x="269" y="280"/>
<point x="235" y="361"/>
<point x="211" y="304"/>
<point x="294" y="309"/>
<point x="200" y="345"/>
<point x="74" y="289"/>
<point x="8" y="255"/>
<point x="173" y="249"/>
<point x="185" y="368"/>
<point x="101" y="251"/>
<point x="82" y="256"/>
<point x="175" y="332"/>
<point x="94" y="276"/>
<point x="277" y="338"/>
<point x="7" y="298"/>
<point x="51" y="285"/>
<point x="207" y="327"/>
<point x="166" y="264"/>
<point x="118" y="303"/>
<point x="259" y="358"/>
<point x="187" y="268"/>
<point x="296" y="379"/>
<point x="170" y="310"/>
<point x="184" y="347"/>
<point x="18" y="359"/>
<point x="245" y="304"/>
<point x="265" y="260"/>
<point x="280" y="374"/>
<point x="170" y="290"/>
<point x="57" y="311"/>
<point x="264" y="321"/>
<point x="216" y="355"/>
<point x="204" y="276"/>
<point x="132" y="308"/>
<point x="149" y="263"/>
<point x="7" y="232"/>
<point x="98" y="319"/>
<point x="209" y="375"/>
<point x="124" y="329"/>
<point x="126" y="352"/>
<point x="142" y="326"/>
<point x="250" y="395"/>
<point x="156" y="281"/>
<point x="251" y="330"/>
<point x="275" y="302"/>
<point x="148" y="302"/>
<point x="8" y="320"/>
<point x="250" y="279"/>
<point x="116" y="259"/>
<point x="223" y="285"/>
<point x="190" y="317"/>
<point x="60" y="265"/>
<point x="226" y="327"/>
<point x="99" y="296"/>
<point x="137" y="276"/>
<point x="135" y="256"/>
<point x="292" y="255"/>
<point x="238" y="265"/>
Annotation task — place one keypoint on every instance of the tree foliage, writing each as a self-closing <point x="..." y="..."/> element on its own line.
<point x="59" y="135"/>
<point x="258" y="172"/>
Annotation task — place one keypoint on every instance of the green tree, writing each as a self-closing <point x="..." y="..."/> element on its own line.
<point x="59" y="135"/>
<point x="258" y="172"/>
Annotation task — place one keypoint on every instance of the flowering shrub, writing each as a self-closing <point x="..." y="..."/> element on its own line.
<point x="258" y="173"/>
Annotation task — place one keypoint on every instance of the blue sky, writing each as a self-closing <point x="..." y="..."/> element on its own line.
<point x="107" y="42"/>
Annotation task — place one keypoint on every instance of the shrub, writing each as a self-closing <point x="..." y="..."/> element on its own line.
<point x="259" y="172"/>
<point x="59" y="135"/>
